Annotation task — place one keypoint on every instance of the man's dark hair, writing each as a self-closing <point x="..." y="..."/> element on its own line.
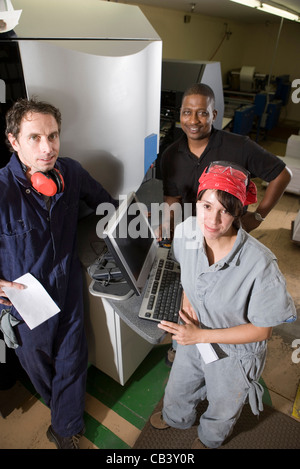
<point x="23" y="107"/>
<point x="203" y="90"/>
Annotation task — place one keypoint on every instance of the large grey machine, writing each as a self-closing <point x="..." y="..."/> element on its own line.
<point x="100" y="63"/>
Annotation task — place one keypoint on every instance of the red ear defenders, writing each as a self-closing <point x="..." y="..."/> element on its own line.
<point x="49" y="183"/>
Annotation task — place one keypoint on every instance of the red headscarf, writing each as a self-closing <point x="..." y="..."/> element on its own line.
<point x="228" y="179"/>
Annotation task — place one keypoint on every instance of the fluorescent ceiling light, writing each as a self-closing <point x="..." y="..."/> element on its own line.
<point x="274" y="10"/>
<point x="278" y="11"/>
<point x="248" y="3"/>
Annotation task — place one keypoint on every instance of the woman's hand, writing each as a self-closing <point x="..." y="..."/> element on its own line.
<point x="190" y="333"/>
<point x="184" y="334"/>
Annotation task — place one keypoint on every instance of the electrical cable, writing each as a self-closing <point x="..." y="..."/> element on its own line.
<point x="105" y="271"/>
<point x="225" y="35"/>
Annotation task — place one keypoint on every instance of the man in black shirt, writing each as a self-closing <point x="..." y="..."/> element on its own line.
<point x="184" y="161"/>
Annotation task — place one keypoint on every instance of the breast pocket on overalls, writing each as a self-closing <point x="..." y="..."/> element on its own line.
<point x="18" y="240"/>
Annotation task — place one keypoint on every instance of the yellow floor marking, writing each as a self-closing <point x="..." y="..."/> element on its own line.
<point x="296" y="406"/>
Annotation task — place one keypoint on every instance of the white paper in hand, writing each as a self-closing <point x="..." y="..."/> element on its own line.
<point x="33" y="303"/>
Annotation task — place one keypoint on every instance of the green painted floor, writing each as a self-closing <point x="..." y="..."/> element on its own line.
<point x="115" y="415"/>
<point x="134" y="402"/>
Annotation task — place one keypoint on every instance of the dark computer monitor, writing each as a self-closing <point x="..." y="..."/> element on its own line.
<point x="132" y="242"/>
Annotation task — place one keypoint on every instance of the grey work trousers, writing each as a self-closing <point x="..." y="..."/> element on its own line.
<point x="226" y="383"/>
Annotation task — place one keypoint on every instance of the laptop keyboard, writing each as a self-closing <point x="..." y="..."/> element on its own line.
<point x="162" y="299"/>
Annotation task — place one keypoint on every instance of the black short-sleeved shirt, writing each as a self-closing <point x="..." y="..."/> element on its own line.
<point x="181" y="169"/>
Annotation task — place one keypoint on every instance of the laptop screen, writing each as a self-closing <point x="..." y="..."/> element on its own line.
<point x="131" y="241"/>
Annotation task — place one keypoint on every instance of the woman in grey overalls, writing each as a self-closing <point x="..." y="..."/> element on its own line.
<point x="234" y="293"/>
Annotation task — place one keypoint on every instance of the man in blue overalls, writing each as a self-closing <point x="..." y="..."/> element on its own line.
<point x="39" y="204"/>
